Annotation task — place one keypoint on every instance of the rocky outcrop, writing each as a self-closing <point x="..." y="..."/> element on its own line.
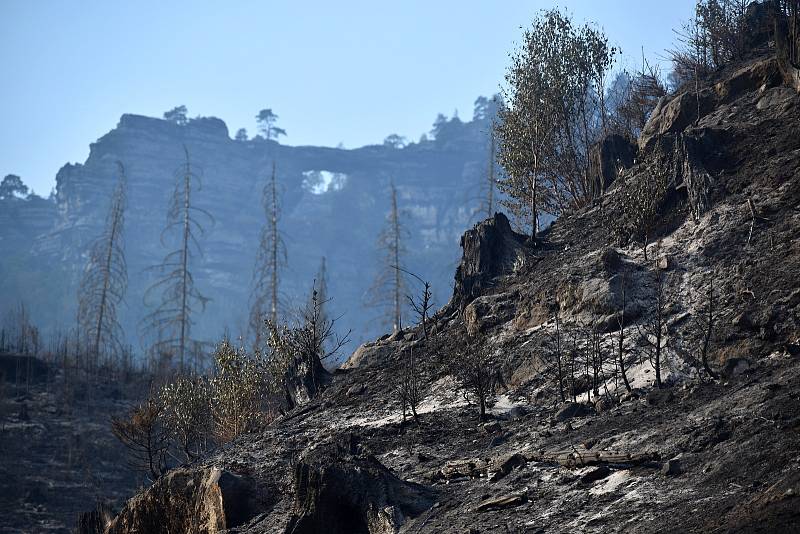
<point x="194" y="501"/>
<point x="607" y="159"/>
<point x="343" y="492"/>
<point x="490" y="249"/>
<point x="334" y="202"/>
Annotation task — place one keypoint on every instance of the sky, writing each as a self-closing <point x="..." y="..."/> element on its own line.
<point x="349" y="72"/>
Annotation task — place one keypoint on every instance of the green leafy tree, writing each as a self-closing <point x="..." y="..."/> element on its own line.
<point x="553" y="111"/>
<point x="12" y="187"/>
<point x="266" y="124"/>
<point x="177" y="115"/>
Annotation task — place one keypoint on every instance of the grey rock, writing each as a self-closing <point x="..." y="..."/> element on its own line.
<point x="671" y="468"/>
<point x="571" y="410"/>
<point x="736" y="366"/>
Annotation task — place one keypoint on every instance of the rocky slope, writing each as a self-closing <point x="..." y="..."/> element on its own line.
<point x="334" y="203"/>
<point x="698" y="455"/>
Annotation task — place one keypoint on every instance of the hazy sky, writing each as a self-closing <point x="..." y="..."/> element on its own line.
<point x="334" y="71"/>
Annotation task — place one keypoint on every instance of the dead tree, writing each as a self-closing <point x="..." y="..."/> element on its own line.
<point x="477" y="372"/>
<point x="621" y="335"/>
<point x="556" y="349"/>
<point x="271" y="259"/>
<point x="705" y="323"/>
<point x="145" y="437"/>
<point x="389" y="285"/>
<point x="422" y="304"/>
<point x="409" y="390"/>
<point x="491" y="183"/>
<point x="105" y="279"/>
<point x="171" y="321"/>
<point x="653" y="332"/>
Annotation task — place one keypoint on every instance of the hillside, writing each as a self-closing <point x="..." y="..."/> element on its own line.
<point x="700" y="454"/>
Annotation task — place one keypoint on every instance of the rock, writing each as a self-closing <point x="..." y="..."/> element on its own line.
<point x="660" y="396"/>
<point x="369" y="354"/>
<point x="491" y="427"/>
<point x="505" y="464"/>
<point x="95" y="522"/>
<point x="498" y="440"/>
<point x="735" y="367"/>
<point x="596" y="473"/>
<point x="776" y="97"/>
<point x="472" y="468"/>
<point x="517" y="412"/>
<point x="205" y="501"/>
<point x="356" y="390"/>
<point x="664" y="263"/>
<point x="340" y="493"/>
<point x="505" y="501"/>
<point x="607" y="159"/>
<point x="602" y="404"/>
<point x="572" y="409"/>
<point x="610" y="260"/>
<point x="487" y="311"/>
<point x="490" y="249"/>
<point x="671" y="468"/>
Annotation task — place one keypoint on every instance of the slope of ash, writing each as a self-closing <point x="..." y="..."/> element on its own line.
<point x="697" y="455"/>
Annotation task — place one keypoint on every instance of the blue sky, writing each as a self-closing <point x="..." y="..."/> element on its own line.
<point x="335" y="72"/>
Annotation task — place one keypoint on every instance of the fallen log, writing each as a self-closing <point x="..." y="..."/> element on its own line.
<point x="582" y="458"/>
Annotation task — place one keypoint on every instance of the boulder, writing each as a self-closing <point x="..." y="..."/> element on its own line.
<point x="490" y="249"/>
<point x="671" y="468"/>
<point x="201" y="501"/>
<point x="660" y="396"/>
<point x="596" y="473"/>
<point x="735" y="367"/>
<point x="504" y="501"/>
<point x="487" y="311"/>
<point x="608" y="158"/>
<point x="504" y="465"/>
<point x="571" y="410"/>
<point x="338" y="492"/>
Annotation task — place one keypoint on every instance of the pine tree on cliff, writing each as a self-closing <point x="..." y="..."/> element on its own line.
<point x="105" y="279"/>
<point x="389" y="285"/>
<point x="179" y="300"/>
<point x="270" y="261"/>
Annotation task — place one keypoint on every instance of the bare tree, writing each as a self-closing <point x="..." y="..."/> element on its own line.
<point x="706" y="323"/>
<point x="172" y="319"/>
<point x="477" y="372"/>
<point x="105" y="279"/>
<point x="389" y="285"/>
<point x="621" y="335"/>
<point x="422" y="304"/>
<point x="556" y="348"/>
<point x="653" y="332"/>
<point x="491" y="180"/>
<point x="409" y="390"/>
<point x="271" y="259"/>
<point x="143" y="433"/>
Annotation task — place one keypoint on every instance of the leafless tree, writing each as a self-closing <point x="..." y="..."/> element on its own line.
<point x="105" y="279"/>
<point x="555" y="347"/>
<point x="409" y="390"/>
<point x="271" y="259"/>
<point x="705" y="324"/>
<point x="491" y="180"/>
<point x="621" y="332"/>
<point x="478" y="373"/>
<point x="171" y="321"/>
<point x="421" y="305"/>
<point x="388" y="288"/>
<point x="145" y="437"/>
<point x="653" y="332"/>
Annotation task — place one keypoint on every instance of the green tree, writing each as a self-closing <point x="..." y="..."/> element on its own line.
<point x="176" y="115"/>
<point x="266" y="124"/>
<point x="552" y="112"/>
<point x="12" y="186"/>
